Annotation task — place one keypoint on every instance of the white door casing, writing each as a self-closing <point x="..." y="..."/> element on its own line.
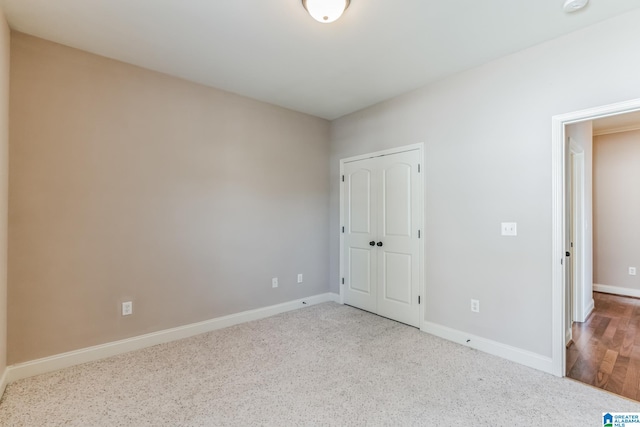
<point x="579" y="289"/>
<point x="569" y="277"/>
<point x="381" y="249"/>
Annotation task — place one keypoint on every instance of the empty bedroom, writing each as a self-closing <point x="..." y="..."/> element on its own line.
<point x="297" y="212"/>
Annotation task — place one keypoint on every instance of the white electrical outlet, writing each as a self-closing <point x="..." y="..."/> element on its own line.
<point x="509" y="229"/>
<point x="127" y="308"/>
<point x="632" y="271"/>
<point x="274" y="282"/>
<point x="300" y="278"/>
<point x="475" y="306"/>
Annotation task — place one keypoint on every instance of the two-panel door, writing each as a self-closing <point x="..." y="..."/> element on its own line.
<point x="381" y="237"/>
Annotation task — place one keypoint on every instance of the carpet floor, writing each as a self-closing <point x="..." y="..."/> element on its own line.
<point x="323" y="365"/>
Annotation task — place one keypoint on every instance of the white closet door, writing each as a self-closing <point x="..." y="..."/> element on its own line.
<point x="381" y="245"/>
<point x="398" y="264"/>
<point x="361" y="219"/>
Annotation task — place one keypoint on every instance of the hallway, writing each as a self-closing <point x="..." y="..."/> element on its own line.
<point x="606" y="348"/>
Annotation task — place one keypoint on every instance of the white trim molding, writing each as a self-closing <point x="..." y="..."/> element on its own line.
<point x="627" y="128"/>
<point x="495" y="348"/>
<point x="617" y="290"/>
<point x="90" y="354"/>
<point x="335" y="297"/>
<point x="582" y="291"/>
<point x="558" y="209"/>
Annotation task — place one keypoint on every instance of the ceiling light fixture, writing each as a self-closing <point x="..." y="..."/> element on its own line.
<point x="573" y="5"/>
<point x="326" y="11"/>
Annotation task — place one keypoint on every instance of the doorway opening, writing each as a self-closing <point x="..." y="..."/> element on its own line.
<point x="571" y="263"/>
<point x="579" y="301"/>
<point x="602" y="349"/>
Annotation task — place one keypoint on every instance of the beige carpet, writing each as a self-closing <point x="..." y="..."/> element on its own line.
<point x="322" y="365"/>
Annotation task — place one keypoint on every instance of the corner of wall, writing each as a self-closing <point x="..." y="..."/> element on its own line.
<point x="4" y="189"/>
<point x="3" y="382"/>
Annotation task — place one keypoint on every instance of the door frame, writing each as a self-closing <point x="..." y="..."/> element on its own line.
<point x="579" y="223"/>
<point x="412" y="147"/>
<point x="576" y="289"/>
<point x="558" y="219"/>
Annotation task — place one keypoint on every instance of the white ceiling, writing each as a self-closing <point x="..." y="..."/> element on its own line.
<point x="272" y="50"/>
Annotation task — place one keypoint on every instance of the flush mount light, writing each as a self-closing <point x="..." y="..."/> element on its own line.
<point x="573" y="5"/>
<point x="326" y="11"/>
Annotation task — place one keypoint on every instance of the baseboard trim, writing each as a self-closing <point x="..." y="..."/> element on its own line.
<point x="90" y="354"/>
<point x="617" y="290"/>
<point x="523" y="357"/>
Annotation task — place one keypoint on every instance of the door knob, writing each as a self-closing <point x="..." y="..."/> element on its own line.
<point x="379" y="243"/>
<point x="372" y="243"/>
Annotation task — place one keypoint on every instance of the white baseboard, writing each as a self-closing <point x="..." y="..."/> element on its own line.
<point x="514" y="354"/>
<point x="90" y="354"/>
<point x="617" y="290"/>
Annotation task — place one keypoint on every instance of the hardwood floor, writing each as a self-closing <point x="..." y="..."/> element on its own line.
<point x="606" y="348"/>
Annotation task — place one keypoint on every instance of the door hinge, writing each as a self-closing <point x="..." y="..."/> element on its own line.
<point x="343" y="229"/>
<point x="342" y="178"/>
<point x="418" y="234"/>
<point x="418" y="299"/>
<point x="343" y="280"/>
<point x="418" y="167"/>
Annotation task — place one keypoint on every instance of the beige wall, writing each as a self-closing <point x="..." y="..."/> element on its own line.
<point x="616" y="174"/>
<point x="4" y="175"/>
<point x="126" y="184"/>
<point x="487" y="135"/>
